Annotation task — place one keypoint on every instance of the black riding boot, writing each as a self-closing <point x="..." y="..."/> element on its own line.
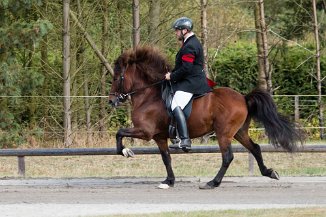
<point x="185" y="142"/>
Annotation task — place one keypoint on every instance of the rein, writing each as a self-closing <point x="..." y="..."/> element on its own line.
<point x="123" y="96"/>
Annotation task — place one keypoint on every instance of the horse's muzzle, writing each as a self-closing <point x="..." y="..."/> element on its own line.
<point x="114" y="102"/>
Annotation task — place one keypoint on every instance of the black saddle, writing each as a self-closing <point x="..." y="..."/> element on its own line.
<point x="167" y="96"/>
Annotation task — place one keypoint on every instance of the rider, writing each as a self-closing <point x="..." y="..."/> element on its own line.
<point x="187" y="78"/>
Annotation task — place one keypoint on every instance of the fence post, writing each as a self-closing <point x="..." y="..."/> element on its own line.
<point x="296" y="109"/>
<point x="251" y="164"/>
<point x="21" y="166"/>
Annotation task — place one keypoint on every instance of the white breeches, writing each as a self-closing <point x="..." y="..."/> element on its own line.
<point x="181" y="99"/>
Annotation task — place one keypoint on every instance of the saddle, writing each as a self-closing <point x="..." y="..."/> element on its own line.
<point x="167" y="96"/>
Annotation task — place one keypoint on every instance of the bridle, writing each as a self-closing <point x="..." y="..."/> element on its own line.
<point x="121" y="95"/>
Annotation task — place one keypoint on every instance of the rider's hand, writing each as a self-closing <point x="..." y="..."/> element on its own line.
<point x="167" y="76"/>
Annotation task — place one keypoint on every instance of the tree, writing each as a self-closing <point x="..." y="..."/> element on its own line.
<point x="154" y="20"/>
<point x="318" y="77"/>
<point x="105" y="36"/>
<point x="21" y="30"/>
<point x="265" y="74"/>
<point x="136" y="23"/>
<point x="66" y="75"/>
<point x="203" y="18"/>
<point x="80" y="56"/>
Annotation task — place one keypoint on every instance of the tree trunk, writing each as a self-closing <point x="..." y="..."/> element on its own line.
<point x="80" y="62"/>
<point x="45" y="69"/>
<point x="154" y="21"/>
<point x="264" y="76"/>
<point x="203" y="18"/>
<point x="136" y="23"/>
<point x="120" y="27"/>
<point x="105" y="38"/>
<point x="319" y="79"/>
<point x="66" y="75"/>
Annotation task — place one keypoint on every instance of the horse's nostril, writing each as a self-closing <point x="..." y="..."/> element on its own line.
<point x="113" y="103"/>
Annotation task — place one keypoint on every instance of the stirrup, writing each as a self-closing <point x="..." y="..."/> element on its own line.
<point x="180" y="145"/>
<point x="176" y="143"/>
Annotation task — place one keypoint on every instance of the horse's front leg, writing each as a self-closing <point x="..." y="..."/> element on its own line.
<point x="166" y="157"/>
<point x="128" y="132"/>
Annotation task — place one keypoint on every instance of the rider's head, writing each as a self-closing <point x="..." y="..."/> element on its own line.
<point x="182" y="26"/>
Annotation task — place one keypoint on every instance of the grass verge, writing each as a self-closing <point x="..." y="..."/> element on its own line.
<point x="297" y="212"/>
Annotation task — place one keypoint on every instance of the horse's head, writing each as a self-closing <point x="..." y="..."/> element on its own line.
<point x="121" y="82"/>
<point x="136" y="70"/>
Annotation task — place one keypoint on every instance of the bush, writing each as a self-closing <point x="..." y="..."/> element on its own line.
<point x="293" y="73"/>
<point x="236" y="67"/>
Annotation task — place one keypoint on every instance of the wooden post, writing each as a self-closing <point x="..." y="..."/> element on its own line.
<point x="251" y="164"/>
<point x="296" y="109"/>
<point x="21" y="166"/>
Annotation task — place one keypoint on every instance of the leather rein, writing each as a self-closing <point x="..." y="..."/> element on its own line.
<point x="121" y="96"/>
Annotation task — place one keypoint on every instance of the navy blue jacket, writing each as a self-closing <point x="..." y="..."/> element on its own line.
<point x="188" y="74"/>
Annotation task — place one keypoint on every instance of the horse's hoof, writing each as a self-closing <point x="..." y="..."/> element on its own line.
<point x="274" y="175"/>
<point x="163" y="186"/>
<point x="127" y="152"/>
<point x="208" y="186"/>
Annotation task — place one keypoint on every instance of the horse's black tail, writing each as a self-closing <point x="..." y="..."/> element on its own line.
<point x="280" y="131"/>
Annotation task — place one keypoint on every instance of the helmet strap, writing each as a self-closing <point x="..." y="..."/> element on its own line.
<point x="183" y="35"/>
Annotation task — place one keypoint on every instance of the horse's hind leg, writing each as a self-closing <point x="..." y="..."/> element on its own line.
<point x="243" y="137"/>
<point x="227" y="157"/>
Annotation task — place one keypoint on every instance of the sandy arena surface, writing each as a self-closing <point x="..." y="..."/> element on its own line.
<point x="96" y="196"/>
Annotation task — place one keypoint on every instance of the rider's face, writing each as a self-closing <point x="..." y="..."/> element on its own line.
<point x="179" y="34"/>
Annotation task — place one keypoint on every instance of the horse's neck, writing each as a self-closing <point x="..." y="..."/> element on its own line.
<point x="149" y="95"/>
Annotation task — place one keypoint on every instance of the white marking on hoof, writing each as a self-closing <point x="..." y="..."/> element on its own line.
<point x="163" y="186"/>
<point x="275" y="175"/>
<point x="206" y="187"/>
<point x="127" y="152"/>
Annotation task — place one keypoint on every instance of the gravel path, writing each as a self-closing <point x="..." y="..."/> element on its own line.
<point x="95" y="196"/>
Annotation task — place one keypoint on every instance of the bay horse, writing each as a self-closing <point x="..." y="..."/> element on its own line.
<point x="137" y="75"/>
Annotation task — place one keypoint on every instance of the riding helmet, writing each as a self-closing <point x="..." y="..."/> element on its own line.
<point x="183" y="23"/>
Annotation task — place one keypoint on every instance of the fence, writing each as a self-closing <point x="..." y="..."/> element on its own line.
<point x="21" y="153"/>
<point x="48" y="113"/>
<point x="299" y="105"/>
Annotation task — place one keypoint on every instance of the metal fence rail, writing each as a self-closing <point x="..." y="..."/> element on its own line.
<point x="21" y="153"/>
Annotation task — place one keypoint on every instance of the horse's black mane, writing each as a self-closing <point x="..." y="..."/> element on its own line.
<point x="151" y="64"/>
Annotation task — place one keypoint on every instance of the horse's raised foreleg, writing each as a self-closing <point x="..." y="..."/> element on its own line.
<point x="227" y="157"/>
<point x="128" y="132"/>
<point x="166" y="157"/>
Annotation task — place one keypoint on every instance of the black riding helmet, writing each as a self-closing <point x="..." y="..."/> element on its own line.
<point x="183" y="23"/>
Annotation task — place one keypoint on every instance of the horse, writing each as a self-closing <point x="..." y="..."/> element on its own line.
<point x="138" y="74"/>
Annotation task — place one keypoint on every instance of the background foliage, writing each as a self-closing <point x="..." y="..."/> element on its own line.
<point x="31" y="57"/>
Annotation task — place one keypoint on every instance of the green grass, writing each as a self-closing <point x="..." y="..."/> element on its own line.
<point x="297" y="212"/>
